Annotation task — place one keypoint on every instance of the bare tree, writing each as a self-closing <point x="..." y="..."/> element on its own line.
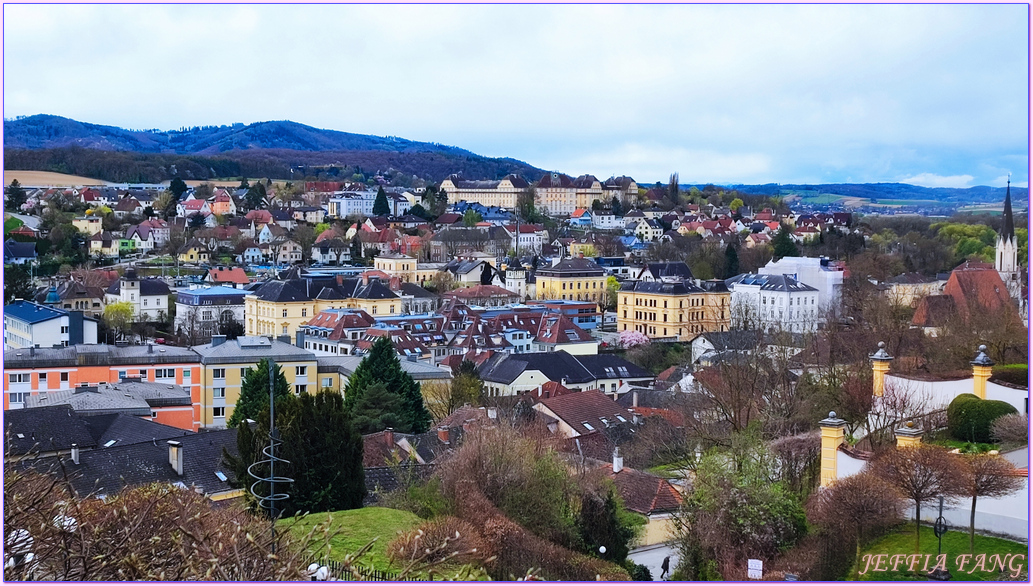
<point x="920" y="474"/>
<point x="855" y="506"/>
<point x="1011" y="430"/>
<point x="986" y="475"/>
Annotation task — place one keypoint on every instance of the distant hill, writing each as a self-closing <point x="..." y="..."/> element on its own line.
<point x="266" y="149"/>
<point x="891" y="191"/>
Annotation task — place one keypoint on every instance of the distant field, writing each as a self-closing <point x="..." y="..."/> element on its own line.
<point x="193" y="183"/>
<point x="48" y="178"/>
<point x="820" y="198"/>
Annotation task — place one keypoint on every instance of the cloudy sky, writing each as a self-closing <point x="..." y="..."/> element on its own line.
<point x="935" y="95"/>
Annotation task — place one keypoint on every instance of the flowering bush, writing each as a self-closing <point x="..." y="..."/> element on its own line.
<point x="630" y="339"/>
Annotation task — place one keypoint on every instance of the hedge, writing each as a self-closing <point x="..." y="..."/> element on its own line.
<point x="969" y="417"/>
<point x="1014" y="374"/>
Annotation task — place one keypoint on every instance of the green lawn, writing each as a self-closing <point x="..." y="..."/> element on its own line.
<point x="358" y="527"/>
<point x="955" y="543"/>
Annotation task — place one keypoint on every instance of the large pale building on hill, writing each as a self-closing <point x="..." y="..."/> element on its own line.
<point x="502" y="193"/>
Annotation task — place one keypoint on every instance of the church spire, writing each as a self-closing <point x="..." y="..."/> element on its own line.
<point x="1008" y="232"/>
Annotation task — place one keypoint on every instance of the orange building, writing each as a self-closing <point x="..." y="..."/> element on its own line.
<point x="33" y="371"/>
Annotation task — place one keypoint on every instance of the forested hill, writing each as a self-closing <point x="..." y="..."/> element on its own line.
<point x="893" y="191"/>
<point x="262" y="149"/>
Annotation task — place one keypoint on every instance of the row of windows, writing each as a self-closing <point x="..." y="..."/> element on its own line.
<point x="159" y="373"/>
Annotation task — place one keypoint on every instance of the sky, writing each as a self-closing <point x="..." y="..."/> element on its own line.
<point x="933" y="95"/>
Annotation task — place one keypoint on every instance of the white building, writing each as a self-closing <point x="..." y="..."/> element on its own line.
<point x="148" y="297"/>
<point x="348" y="203"/>
<point x="773" y="302"/>
<point x="603" y="220"/>
<point x="202" y="311"/>
<point x="824" y="275"/>
<point x="31" y="325"/>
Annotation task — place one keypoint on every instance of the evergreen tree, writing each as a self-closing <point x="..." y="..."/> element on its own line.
<point x="322" y="449"/>
<point x="254" y="392"/>
<point x="731" y="261"/>
<point x="178" y="187"/>
<point x="16" y="196"/>
<point x="486" y="274"/>
<point x="255" y="196"/>
<point x="602" y="522"/>
<point x="381" y="365"/>
<point x="377" y="409"/>
<point x="356" y="249"/>
<point x="243" y="183"/>
<point x="17" y="284"/>
<point x="380" y="205"/>
<point x="783" y="243"/>
<point x="672" y="189"/>
<point x="616" y="206"/>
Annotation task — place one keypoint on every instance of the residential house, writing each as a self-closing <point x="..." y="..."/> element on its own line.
<point x="507" y="374"/>
<point x="88" y="225"/>
<point x="972" y="289"/>
<point x="201" y="313"/>
<point x="648" y="230"/>
<point x="234" y="277"/>
<point x="149" y="297"/>
<point x="483" y="295"/>
<point x="581" y="218"/>
<point x="104" y="244"/>
<point x="187" y="208"/>
<point x="821" y="273"/>
<point x="72" y="295"/>
<point x="19" y="253"/>
<point x="648" y="495"/>
<point x="584" y="413"/>
<point x="194" y="252"/>
<point x="223" y="204"/>
<point x="773" y="302"/>
<point x="331" y="252"/>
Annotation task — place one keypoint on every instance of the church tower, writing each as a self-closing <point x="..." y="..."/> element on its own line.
<point x="1007" y="261"/>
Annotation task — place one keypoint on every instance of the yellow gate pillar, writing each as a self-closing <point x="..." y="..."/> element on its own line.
<point x="880" y="366"/>
<point x="982" y="368"/>
<point x="833" y="433"/>
<point x="909" y="436"/>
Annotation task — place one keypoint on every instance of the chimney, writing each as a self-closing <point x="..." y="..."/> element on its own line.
<point x="634" y="399"/>
<point x="982" y="368"/>
<point x="300" y="339"/>
<point x="75" y="453"/>
<point x="75" y="328"/>
<point x="32" y="350"/>
<point x="618" y="461"/>
<point x="880" y="366"/>
<point x="389" y="437"/>
<point x="909" y="436"/>
<point x="395" y="283"/>
<point x="443" y="435"/>
<point x="365" y="279"/>
<point x="218" y="340"/>
<point x="150" y="348"/>
<point x="833" y="433"/>
<point x="286" y="339"/>
<point x="176" y="456"/>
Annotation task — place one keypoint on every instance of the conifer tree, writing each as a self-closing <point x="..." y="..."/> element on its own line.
<point x="731" y="261"/>
<point x="381" y="365"/>
<point x="783" y="243"/>
<point x="254" y="392"/>
<point x="380" y="205"/>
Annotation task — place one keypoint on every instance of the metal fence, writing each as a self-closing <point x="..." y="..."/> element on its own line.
<point x="347" y="573"/>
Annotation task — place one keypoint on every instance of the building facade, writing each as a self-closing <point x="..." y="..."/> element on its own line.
<point x="675" y="311"/>
<point x="571" y="279"/>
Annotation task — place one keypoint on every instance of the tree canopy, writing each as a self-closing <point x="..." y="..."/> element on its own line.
<point x="381" y="365"/>
<point x="178" y="187"/>
<point x="254" y="392"/>
<point x="782" y="243"/>
<point x="380" y="205"/>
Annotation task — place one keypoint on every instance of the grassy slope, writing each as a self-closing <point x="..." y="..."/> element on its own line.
<point x="358" y="527"/>
<point x="954" y="544"/>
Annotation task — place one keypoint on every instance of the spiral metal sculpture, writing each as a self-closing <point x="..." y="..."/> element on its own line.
<point x="269" y="501"/>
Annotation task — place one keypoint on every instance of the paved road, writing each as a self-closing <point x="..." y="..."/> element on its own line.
<point x="653" y="556"/>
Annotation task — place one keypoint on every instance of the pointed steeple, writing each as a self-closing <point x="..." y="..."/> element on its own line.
<point x="1008" y="232"/>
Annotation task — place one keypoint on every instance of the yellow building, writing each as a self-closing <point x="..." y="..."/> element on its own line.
<point x="194" y="252"/>
<point x="676" y="311"/>
<point x="224" y="364"/>
<point x="572" y="279"/>
<point x="88" y="225"/>
<point x="397" y="265"/>
<point x="278" y="308"/>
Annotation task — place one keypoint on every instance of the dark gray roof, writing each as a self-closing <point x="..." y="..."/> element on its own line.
<point x="676" y="288"/>
<point x="770" y="282"/>
<point x="732" y="340"/>
<point x="505" y="368"/>
<point x="417" y="291"/>
<point x="669" y="269"/>
<point x="108" y="470"/>
<point x="15" y="250"/>
<point x="147" y="287"/>
<point x="374" y="290"/>
<point x="97" y="355"/>
<point x="251" y="349"/>
<point x="611" y="366"/>
<point x="283" y="291"/>
<point x="45" y="429"/>
<point x="573" y="267"/>
<point x="128" y="429"/>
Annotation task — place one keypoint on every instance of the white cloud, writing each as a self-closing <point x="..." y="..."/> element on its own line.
<point x="934" y="180"/>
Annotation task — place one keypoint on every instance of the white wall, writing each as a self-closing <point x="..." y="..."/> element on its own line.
<point x="847" y="465"/>
<point x="1008" y="515"/>
<point x="941" y="393"/>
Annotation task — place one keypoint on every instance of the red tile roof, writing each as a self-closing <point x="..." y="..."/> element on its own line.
<point x="234" y="275"/>
<point x="644" y="493"/>
<point x="587" y="406"/>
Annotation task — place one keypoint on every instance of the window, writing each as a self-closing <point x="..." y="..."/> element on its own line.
<point x="18" y="378"/>
<point x="304" y="313"/>
<point x="165" y="373"/>
<point x="122" y="374"/>
<point x="218" y="412"/>
<point x="219" y="393"/>
<point x="243" y="373"/>
<point x="588" y="426"/>
<point x="327" y="382"/>
<point x="17" y="397"/>
<point x="64" y="377"/>
<point x="64" y="329"/>
<point x="154" y="414"/>
<point x="300" y="371"/>
<point x="285" y="313"/>
<point x="218" y="373"/>
<point x="299" y="389"/>
<point x="374" y="310"/>
<point x="186" y="375"/>
<point x="143" y="374"/>
<point x="42" y="377"/>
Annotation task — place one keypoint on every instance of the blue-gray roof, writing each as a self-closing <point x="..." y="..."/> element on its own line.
<point x="770" y="282"/>
<point x="32" y="313"/>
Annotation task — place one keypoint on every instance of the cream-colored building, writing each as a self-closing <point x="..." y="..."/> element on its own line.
<point x="88" y="225"/>
<point x="279" y="308"/>
<point x="501" y="193"/>
<point x="677" y="310"/>
<point x="397" y="265"/>
<point x="572" y="279"/>
<point x="225" y="363"/>
<point x="557" y="193"/>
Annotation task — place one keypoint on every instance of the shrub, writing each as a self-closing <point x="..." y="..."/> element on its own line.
<point x="1014" y="374"/>
<point x="638" y="572"/>
<point x="435" y="541"/>
<point x="1011" y="430"/>
<point x="969" y="418"/>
